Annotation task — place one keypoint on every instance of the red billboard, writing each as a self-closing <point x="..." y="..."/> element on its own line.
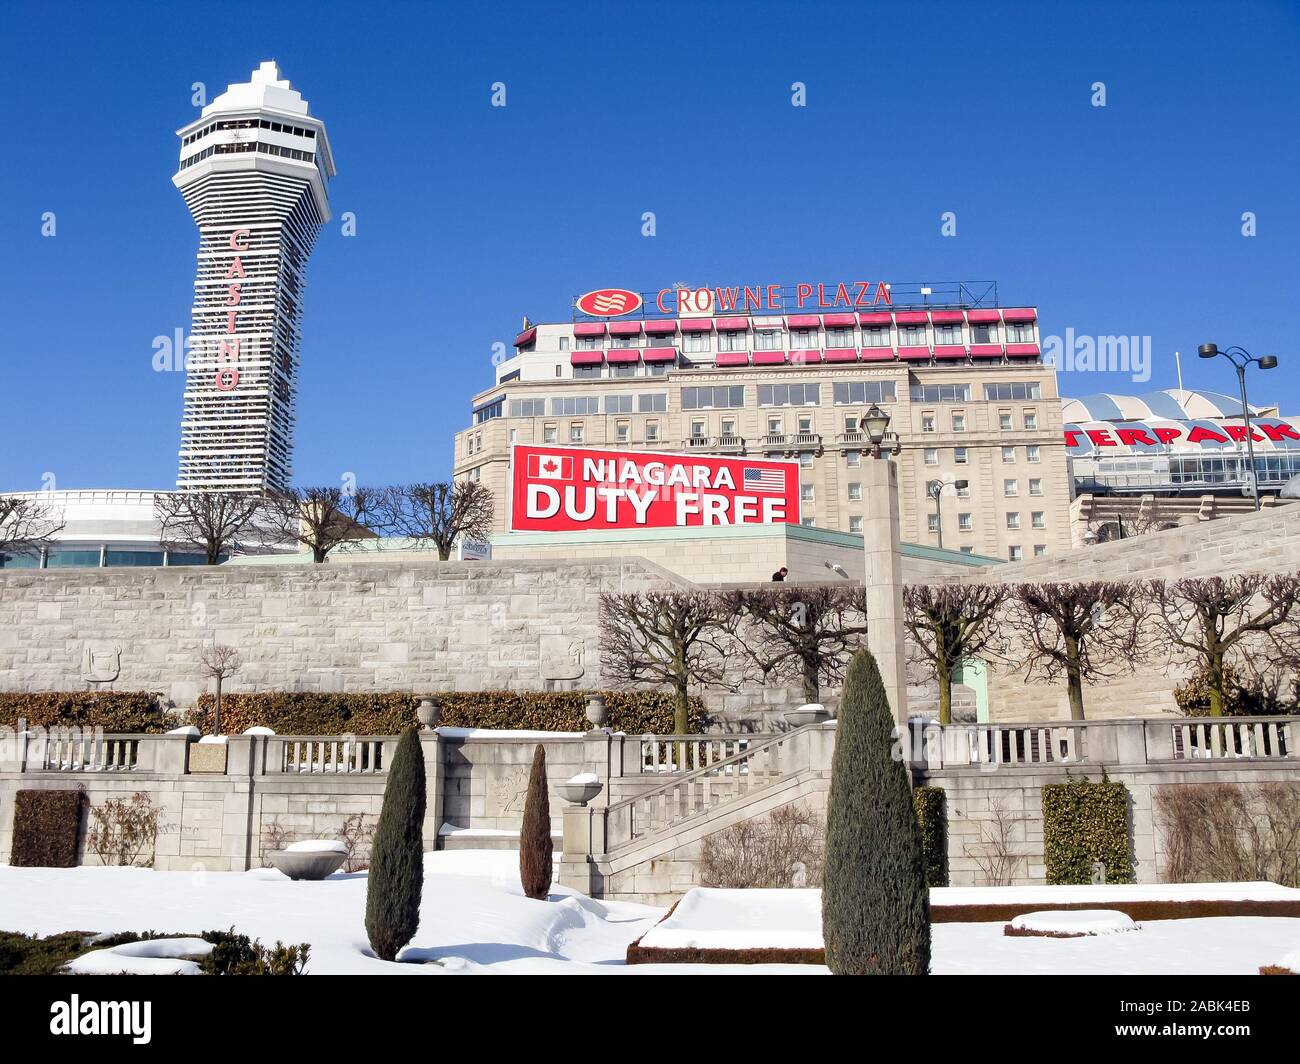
<point x="571" y="489"/>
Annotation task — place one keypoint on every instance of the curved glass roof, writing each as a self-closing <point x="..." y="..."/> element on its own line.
<point x="1173" y="404"/>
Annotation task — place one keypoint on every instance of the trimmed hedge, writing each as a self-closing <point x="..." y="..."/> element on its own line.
<point x="1085" y="822"/>
<point x="47" y="828"/>
<point x="932" y="816"/>
<point x="114" y="711"/>
<point x="387" y="713"/>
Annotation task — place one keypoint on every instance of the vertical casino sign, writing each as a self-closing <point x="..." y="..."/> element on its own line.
<point x="585" y="489"/>
<point x="228" y="345"/>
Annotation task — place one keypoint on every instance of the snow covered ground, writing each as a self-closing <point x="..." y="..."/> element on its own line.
<point x="475" y="919"/>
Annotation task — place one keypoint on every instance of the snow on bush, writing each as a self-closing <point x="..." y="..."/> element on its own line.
<point x="1071" y="923"/>
<point x="156" y="956"/>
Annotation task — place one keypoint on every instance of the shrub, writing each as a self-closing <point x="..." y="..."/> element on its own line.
<point x="387" y="713"/>
<point x="786" y="848"/>
<point x="30" y="955"/>
<point x="233" y="954"/>
<point x="121" y="832"/>
<point x="932" y="818"/>
<point x="397" y="855"/>
<point x="47" y="828"/>
<point x="1244" y="696"/>
<point x="875" y="906"/>
<point x="535" y="844"/>
<point x="114" y="711"/>
<point x="1230" y="832"/>
<point x="1085" y="822"/>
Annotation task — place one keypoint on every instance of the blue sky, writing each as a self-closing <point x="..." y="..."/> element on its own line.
<point x="1117" y="220"/>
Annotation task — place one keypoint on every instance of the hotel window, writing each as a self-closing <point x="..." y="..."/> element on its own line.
<point x="927" y="422"/>
<point x="947" y="334"/>
<point x="622" y="431"/>
<point x="696" y="343"/>
<point x="728" y="428"/>
<point x="651" y="431"/>
<point x="1040" y="549"/>
<point x="1013" y="520"/>
<point x="963" y="493"/>
<point x="1015" y="391"/>
<point x="1031" y="419"/>
<point x="850" y="423"/>
<point x="804" y="340"/>
<point x="564" y="343"/>
<point x="586" y="373"/>
<point x="855" y="524"/>
<point x="932" y="456"/>
<point x="527" y="407"/>
<point x="839" y="337"/>
<point x="911" y="336"/>
<point x="964" y="522"/>
<point x="875" y="337"/>
<point x="959" y="455"/>
<point x="1015" y="554"/>
<point x="774" y="426"/>
<point x="549" y="433"/>
<point x="805" y="493"/>
<point x="657" y="369"/>
<point x="932" y="522"/>
<point x="789" y="394"/>
<point x="652" y="402"/>
<point x="1020" y="332"/>
<point x="1031" y="453"/>
<point x="618" y="404"/>
<point x="1010" y="487"/>
<point x="855" y="491"/>
<point x="660" y="341"/>
<point x="559" y="371"/>
<point x="733" y="341"/>
<point x="983" y="334"/>
<point x="1004" y="421"/>
<point x="807" y="522"/>
<point x="574" y="404"/>
<point x="697" y="429"/>
<point x="968" y="550"/>
<point x="853" y="459"/>
<point x="941" y="393"/>
<point x="589" y="343"/>
<point x="805" y="423"/>
<point x="805" y="459"/>
<point x="624" y="370"/>
<point x="1035" y="486"/>
<point x="626" y="341"/>
<point x="514" y="435"/>
<point x="767" y="340"/>
<point x="1036" y="520"/>
<point x="959" y="423"/>
<point x="575" y="432"/>
<point x="1008" y="454"/>
<point x="719" y="398"/>
<point x="860" y="393"/>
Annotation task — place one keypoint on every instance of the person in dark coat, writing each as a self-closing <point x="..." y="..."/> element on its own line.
<point x="779" y="576"/>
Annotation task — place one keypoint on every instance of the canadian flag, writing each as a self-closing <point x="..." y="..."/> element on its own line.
<point x="550" y="467"/>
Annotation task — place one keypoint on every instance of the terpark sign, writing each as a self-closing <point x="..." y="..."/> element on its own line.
<point x="571" y="489"/>
<point x="1161" y="434"/>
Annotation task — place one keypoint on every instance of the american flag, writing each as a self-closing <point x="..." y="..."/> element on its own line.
<point x="764" y="479"/>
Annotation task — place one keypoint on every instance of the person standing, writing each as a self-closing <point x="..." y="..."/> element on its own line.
<point x="779" y="576"/>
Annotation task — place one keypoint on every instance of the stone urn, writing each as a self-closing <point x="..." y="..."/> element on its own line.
<point x="427" y="712"/>
<point x="307" y="864"/>
<point x="811" y="713"/>
<point x="580" y="789"/>
<point x="596" y="713"/>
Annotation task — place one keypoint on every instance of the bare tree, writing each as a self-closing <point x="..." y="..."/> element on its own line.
<point x="439" y="513"/>
<point x="1212" y="619"/>
<point x="995" y="854"/>
<point x="219" y="663"/>
<point x="1087" y="630"/>
<point x="808" y="632"/>
<point x="951" y="622"/>
<point x="321" y="519"/>
<point x="672" y="638"/>
<point x="27" y="525"/>
<point x="218" y="522"/>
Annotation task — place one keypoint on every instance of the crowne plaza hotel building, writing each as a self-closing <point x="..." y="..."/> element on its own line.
<point x="790" y="372"/>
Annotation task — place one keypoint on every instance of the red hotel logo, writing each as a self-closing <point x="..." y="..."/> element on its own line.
<point x="567" y="489"/>
<point x="609" y="302"/>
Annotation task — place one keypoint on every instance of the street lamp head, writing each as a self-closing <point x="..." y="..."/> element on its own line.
<point x="1208" y="350"/>
<point x="1268" y="362"/>
<point x="961" y="485"/>
<point x="876" y="421"/>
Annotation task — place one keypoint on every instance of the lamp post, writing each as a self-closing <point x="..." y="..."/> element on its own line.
<point x="1241" y="358"/>
<point x="876" y="423"/>
<point x="935" y="490"/>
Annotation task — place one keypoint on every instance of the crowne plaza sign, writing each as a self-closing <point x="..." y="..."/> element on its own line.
<point x="568" y="489"/>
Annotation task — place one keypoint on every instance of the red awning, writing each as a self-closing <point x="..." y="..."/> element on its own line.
<point x="660" y="328"/>
<point x="803" y="321"/>
<point x="911" y="317"/>
<point x="697" y="325"/>
<point x="589" y="328"/>
<point x="1020" y="314"/>
<point x="875" y="317"/>
<point x="1022" y="350"/>
<point x="805" y="358"/>
<point x="586" y="358"/>
<point x="877" y="354"/>
<point x="526" y="337"/>
<point x="769" y="358"/>
<point x="841" y="354"/>
<point x="623" y="356"/>
<point x="946" y="317"/>
<point x="624" y="328"/>
<point x="981" y="316"/>
<point x="949" y="351"/>
<point x="839" y="320"/>
<point x="659" y="354"/>
<point x="732" y="324"/>
<point x="732" y="358"/>
<point x="985" y="350"/>
<point x="914" y="354"/>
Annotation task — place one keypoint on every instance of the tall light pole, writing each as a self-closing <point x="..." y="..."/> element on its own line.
<point x="1241" y="358"/>
<point x="876" y="424"/>
<point x="935" y="490"/>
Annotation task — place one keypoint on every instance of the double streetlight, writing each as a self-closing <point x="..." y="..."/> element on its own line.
<point x="1241" y="358"/>
<point x="935" y="490"/>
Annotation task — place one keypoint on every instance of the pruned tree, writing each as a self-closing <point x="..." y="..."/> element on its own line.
<point x="1087" y="630"/>
<point x="668" y="638"/>
<point x="217" y="522"/>
<point x="396" y="879"/>
<point x="28" y="524"/>
<point x="321" y="519"/>
<point x="218" y="663"/>
<point x="535" y="844"/>
<point x="804" y="632"/>
<point x="949" y="623"/>
<point x="1213" y="619"/>
<point x="439" y="513"/>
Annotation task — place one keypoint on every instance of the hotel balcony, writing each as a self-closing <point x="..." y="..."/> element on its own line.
<point x="792" y="442"/>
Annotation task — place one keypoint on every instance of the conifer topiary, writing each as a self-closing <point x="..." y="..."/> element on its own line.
<point x="397" y="853"/>
<point x="535" y="846"/>
<point x="875" y="906"/>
